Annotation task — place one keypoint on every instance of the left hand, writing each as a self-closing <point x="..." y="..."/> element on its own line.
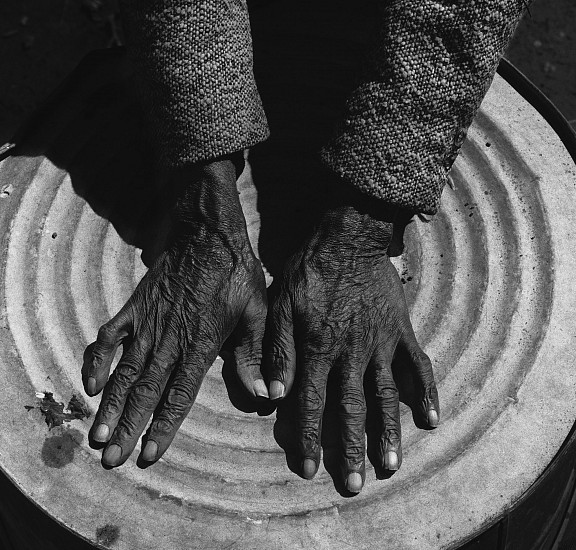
<point x="341" y="306"/>
<point x="206" y="288"/>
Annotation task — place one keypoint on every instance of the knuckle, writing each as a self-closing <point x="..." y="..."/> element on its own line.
<point x="125" y="373"/>
<point x="392" y="436"/>
<point x="112" y="406"/>
<point x="353" y="404"/>
<point x="107" y="333"/>
<point x="281" y="355"/>
<point x="248" y="361"/>
<point x="309" y="442"/>
<point x="387" y="395"/>
<point x="310" y="401"/>
<point x="430" y="395"/>
<point x="354" y="464"/>
<point x="125" y="430"/>
<point x="145" y="395"/>
<point x="354" y="450"/>
<point x="180" y="398"/>
<point x="319" y="341"/>
<point x="248" y="352"/>
<point x="96" y="362"/>
<point x="390" y="441"/>
<point x="391" y="419"/>
<point x="164" y="426"/>
<point x="353" y="409"/>
<point x="421" y="360"/>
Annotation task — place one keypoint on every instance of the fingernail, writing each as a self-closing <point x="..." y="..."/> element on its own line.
<point x="432" y="418"/>
<point x="260" y="388"/>
<point x="309" y="468"/>
<point x="391" y="460"/>
<point x="150" y="451"/>
<point x="101" y="433"/>
<point x="277" y="389"/>
<point x="354" y="482"/>
<point x="112" y="455"/>
<point x="91" y="385"/>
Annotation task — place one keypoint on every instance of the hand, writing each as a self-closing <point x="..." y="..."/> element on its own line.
<point x="205" y="287"/>
<point x="341" y="306"/>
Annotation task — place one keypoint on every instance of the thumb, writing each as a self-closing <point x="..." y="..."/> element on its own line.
<point x="280" y="352"/>
<point x="248" y="346"/>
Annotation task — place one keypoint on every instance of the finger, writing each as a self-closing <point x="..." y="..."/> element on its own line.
<point x="352" y="413"/>
<point x="387" y="404"/>
<point x="179" y="398"/>
<point x="118" y="387"/>
<point x="249" y="334"/>
<point x="427" y="401"/>
<point x="280" y="352"/>
<point x="99" y="355"/>
<point x="141" y="401"/>
<point x="311" y="400"/>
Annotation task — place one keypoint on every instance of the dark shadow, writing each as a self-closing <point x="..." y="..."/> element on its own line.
<point x="92" y="127"/>
<point x="285" y="432"/>
<point x="23" y="524"/>
<point x="307" y="58"/>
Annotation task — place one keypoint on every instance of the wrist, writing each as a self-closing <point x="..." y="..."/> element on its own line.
<point x="207" y="204"/>
<point x="354" y="220"/>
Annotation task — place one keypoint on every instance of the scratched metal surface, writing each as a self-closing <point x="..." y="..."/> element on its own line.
<point x="491" y="297"/>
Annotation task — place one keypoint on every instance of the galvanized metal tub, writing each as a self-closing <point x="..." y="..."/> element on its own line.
<point x="490" y="289"/>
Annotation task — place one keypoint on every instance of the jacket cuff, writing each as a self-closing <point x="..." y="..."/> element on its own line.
<point x="193" y="61"/>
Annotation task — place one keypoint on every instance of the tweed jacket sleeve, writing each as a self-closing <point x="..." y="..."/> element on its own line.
<point x="194" y="62"/>
<point x="432" y="63"/>
<point x="405" y="123"/>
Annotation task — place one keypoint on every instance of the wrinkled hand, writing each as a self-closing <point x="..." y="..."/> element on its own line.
<point x="341" y="306"/>
<point x="205" y="287"/>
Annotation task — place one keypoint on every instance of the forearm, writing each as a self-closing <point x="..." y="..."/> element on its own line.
<point x="193" y="63"/>
<point x="404" y="125"/>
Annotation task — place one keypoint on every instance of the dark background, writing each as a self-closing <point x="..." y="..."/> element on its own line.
<point x="42" y="41"/>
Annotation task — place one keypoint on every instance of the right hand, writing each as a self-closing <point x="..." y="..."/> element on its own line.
<point x="206" y="287"/>
<point x="341" y="308"/>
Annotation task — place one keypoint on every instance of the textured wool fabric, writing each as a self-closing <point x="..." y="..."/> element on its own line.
<point x="432" y="64"/>
<point x="404" y="125"/>
<point x="193" y="59"/>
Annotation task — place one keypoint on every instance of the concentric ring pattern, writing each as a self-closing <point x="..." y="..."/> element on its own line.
<point x="489" y="285"/>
